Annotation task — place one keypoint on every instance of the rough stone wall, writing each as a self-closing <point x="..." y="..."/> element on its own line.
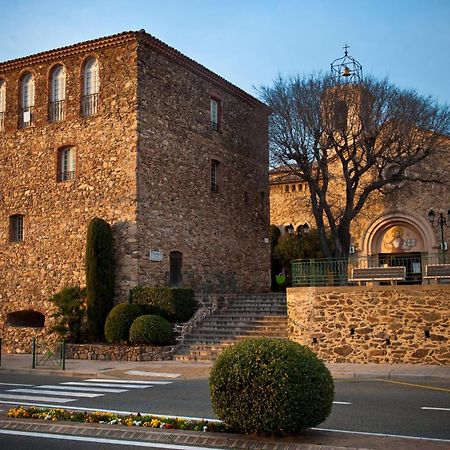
<point x="378" y="324"/>
<point x="56" y="214"/>
<point x="220" y="234"/>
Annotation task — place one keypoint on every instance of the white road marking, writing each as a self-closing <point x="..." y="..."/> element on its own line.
<point x="16" y="384"/>
<point x="366" y="433"/>
<point x="153" y="374"/>
<point x="113" y="385"/>
<point x="18" y="398"/>
<point x="435" y="408"/>
<point x="341" y="403"/>
<point x="53" y="392"/>
<point x="79" y="388"/>
<point x="105" y="380"/>
<point x="64" y="437"/>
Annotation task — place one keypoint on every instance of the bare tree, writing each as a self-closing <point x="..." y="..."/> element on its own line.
<point x="349" y="140"/>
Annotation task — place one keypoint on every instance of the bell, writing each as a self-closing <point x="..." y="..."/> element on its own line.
<point x="346" y="72"/>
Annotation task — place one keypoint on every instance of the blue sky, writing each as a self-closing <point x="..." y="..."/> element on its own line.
<point x="249" y="42"/>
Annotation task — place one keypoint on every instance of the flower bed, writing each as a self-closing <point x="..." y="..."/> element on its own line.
<point x="131" y="420"/>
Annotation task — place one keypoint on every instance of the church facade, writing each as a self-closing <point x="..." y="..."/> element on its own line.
<point x="130" y="130"/>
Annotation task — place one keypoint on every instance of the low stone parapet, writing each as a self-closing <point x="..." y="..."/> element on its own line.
<point x="106" y="352"/>
<point x="373" y="324"/>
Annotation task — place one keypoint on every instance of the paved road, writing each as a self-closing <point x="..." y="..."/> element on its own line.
<point x="373" y="406"/>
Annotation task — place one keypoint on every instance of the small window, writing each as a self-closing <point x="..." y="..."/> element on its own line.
<point x="294" y="188"/>
<point x="215" y="175"/>
<point x="66" y="164"/>
<point x="57" y="94"/>
<point x="16" y="228"/>
<point x="286" y="188"/>
<point x="26" y="115"/>
<point x="300" y="187"/>
<point x="2" y="104"/>
<point x="91" y="88"/>
<point x="215" y="114"/>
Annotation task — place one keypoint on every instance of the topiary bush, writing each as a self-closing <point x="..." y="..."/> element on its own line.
<point x="119" y="321"/>
<point x="151" y="329"/>
<point x="174" y="304"/>
<point x="270" y="386"/>
<point x="99" y="276"/>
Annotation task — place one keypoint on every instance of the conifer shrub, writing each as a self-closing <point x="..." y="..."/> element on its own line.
<point x="99" y="276"/>
<point x="151" y="329"/>
<point x="174" y="304"/>
<point x="270" y="386"/>
<point x="119" y="321"/>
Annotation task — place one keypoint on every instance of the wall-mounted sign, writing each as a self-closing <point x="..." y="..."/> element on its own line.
<point x="156" y="255"/>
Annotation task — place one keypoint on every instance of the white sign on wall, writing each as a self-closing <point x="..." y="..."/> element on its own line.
<point x="156" y="255"/>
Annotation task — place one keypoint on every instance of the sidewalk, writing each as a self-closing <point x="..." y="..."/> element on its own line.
<point x="199" y="369"/>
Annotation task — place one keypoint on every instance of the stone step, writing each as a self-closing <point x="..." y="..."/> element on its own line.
<point x="256" y="328"/>
<point x="212" y="339"/>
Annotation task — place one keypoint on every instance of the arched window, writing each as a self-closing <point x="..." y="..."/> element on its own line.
<point x="27" y="101"/>
<point x="57" y="94"/>
<point x="26" y="318"/>
<point x="91" y="87"/>
<point x="66" y="164"/>
<point x="2" y="104"/>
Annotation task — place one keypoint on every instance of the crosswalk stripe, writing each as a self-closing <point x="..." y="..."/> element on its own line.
<point x="15" y="384"/>
<point x="53" y="392"/>
<point x="106" y="380"/>
<point x="84" y="388"/>
<point x="18" y="398"/>
<point x="129" y="386"/>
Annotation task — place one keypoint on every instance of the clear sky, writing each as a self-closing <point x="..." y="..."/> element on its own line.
<point x="249" y="42"/>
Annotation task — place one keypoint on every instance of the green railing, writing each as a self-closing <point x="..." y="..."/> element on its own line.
<point x="45" y="355"/>
<point x="336" y="272"/>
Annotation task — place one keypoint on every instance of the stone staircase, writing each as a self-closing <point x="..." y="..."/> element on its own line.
<point x="252" y="315"/>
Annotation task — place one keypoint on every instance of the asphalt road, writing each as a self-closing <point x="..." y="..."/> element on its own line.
<point x="374" y="406"/>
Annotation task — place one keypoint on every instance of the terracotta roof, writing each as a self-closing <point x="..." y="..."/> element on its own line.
<point x="125" y="36"/>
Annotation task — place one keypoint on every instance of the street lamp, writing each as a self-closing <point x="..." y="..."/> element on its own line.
<point x="441" y="221"/>
<point x="302" y="230"/>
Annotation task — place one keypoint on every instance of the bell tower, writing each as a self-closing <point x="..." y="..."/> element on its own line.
<point x="346" y="69"/>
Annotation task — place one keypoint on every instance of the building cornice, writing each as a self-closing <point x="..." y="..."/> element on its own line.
<point x="139" y="37"/>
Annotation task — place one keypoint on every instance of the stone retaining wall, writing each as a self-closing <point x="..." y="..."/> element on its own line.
<point x="107" y="352"/>
<point x="378" y="324"/>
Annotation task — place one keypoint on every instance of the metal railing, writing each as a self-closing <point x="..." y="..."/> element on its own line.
<point x="66" y="175"/>
<point x="89" y="104"/>
<point x="56" y="111"/>
<point x="337" y="272"/>
<point x="46" y="356"/>
<point x="26" y="117"/>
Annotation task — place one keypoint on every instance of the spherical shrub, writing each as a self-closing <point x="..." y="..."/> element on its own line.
<point x="174" y="304"/>
<point x="119" y="320"/>
<point x="150" y="329"/>
<point x="270" y="386"/>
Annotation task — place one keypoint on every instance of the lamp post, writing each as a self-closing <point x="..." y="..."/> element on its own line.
<point x="302" y="230"/>
<point x="441" y="221"/>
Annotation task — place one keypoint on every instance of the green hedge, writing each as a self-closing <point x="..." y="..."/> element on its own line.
<point x="270" y="386"/>
<point x="151" y="329"/>
<point x="175" y="305"/>
<point x="119" y="320"/>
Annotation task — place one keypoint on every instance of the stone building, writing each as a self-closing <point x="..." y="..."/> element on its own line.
<point x="130" y="130"/>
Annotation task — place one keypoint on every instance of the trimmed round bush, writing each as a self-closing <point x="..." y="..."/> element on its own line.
<point x="270" y="386"/>
<point x="174" y="304"/>
<point x="119" y="320"/>
<point x="150" y="329"/>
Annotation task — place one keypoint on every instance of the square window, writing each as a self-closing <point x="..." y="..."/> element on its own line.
<point x="16" y="228"/>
